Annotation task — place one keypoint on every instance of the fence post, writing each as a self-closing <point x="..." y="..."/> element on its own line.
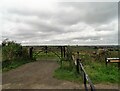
<point x="64" y="50"/>
<point x="77" y="66"/>
<point x="46" y="49"/>
<point x="61" y="51"/>
<point x="77" y="55"/>
<point x="31" y="52"/>
<point x="61" y="47"/>
<point x="84" y="77"/>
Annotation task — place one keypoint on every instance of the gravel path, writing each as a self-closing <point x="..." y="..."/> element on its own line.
<point x="39" y="75"/>
<point x="36" y="75"/>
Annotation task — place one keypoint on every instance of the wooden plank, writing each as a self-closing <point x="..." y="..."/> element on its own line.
<point x="74" y="59"/>
<point x="114" y="61"/>
<point x="113" y="58"/>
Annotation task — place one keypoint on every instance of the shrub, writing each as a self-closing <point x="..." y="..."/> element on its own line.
<point x="13" y="55"/>
<point x="11" y="50"/>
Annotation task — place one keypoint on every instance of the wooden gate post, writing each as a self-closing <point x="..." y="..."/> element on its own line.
<point x="31" y="52"/>
<point x="46" y="49"/>
<point x="78" y="55"/>
<point x="77" y="67"/>
<point x="61" y="51"/>
<point x="64" y="50"/>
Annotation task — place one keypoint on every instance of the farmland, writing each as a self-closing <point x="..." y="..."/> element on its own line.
<point x="93" y="60"/>
<point x="96" y="68"/>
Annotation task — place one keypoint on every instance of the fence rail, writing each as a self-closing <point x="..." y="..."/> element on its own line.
<point x="80" y="69"/>
<point x="86" y="78"/>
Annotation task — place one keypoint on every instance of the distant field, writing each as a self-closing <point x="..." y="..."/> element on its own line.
<point x="112" y="52"/>
<point x="84" y="51"/>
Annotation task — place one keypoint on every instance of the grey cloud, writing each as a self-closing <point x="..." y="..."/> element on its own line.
<point x="73" y="12"/>
<point x="89" y="37"/>
<point x="90" y="13"/>
<point x="44" y="26"/>
<point x="105" y="28"/>
<point x="40" y="14"/>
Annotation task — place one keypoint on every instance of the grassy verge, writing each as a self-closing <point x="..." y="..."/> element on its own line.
<point x="67" y="73"/>
<point x="96" y="70"/>
<point x="99" y="73"/>
<point x="7" y="65"/>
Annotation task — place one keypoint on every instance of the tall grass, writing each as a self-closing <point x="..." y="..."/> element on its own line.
<point x="96" y="69"/>
<point x="99" y="72"/>
<point x="67" y="73"/>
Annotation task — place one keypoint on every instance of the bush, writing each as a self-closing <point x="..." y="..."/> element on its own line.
<point x="11" y="50"/>
<point x="13" y="55"/>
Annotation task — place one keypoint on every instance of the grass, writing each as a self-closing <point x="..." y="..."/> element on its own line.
<point x="66" y="73"/>
<point x="96" y="70"/>
<point x="49" y="55"/>
<point x="7" y="65"/>
<point x="99" y="73"/>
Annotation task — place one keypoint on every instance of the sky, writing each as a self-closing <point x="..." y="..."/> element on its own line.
<point x="49" y="22"/>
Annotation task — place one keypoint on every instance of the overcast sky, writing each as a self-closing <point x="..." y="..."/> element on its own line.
<point x="36" y="22"/>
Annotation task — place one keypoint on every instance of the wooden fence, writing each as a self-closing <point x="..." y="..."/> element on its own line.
<point x="80" y="69"/>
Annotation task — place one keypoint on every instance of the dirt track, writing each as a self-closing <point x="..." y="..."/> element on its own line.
<point x="36" y="75"/>
<point x="39" y="75"/>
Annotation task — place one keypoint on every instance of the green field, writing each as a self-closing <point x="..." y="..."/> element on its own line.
<point x="98" y="73"/>
<point x="95" y="67"/>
